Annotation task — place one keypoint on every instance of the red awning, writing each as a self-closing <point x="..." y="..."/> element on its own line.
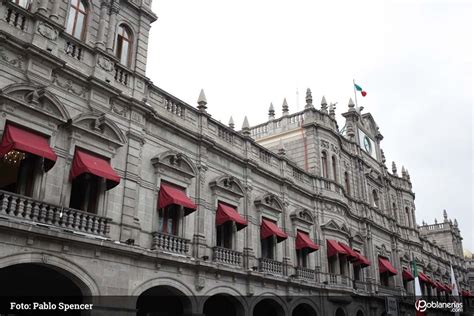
<point x="386" y="266"/>
<point x="269" y="228"/>
<point x="447" y="287"/>
<point x="407" y="275"/>
<point x="304" y="241"/>
<point x="334" y="248"/>
<point x="226" y="213"/>
<point x="17" y="138"/>
<point x="439" y="286"/>
<point x="466" y="293"/>
<point x="423" y="277"/>
<point x="170" y="195"/>
<point x="361" y="260"/>
<point x="84" y="162"/>
<point x="351" y="254"/>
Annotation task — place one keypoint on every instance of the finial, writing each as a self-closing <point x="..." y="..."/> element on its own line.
<point x="246" y="127"/>
<point x="351" y="105"/>
<point x="350" y="130"/>
<point x="332" y="110"/>
<point x="455" y="223"/>
<point x="271" y="112"/>
<point x="309" y="99"/>
<point x="324" y="105"/>
<point x="231" y="123"/>
<point x="285" y="107"/>
<point x="202" y="101"/>
<point x="408" y="175"/>
<point x="383" y="155"/>
<point x="445" y="216"/>
<point x="404" y="173"/>
<point x="436" y="221"/>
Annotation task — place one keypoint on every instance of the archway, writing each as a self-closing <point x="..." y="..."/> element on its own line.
<point x="340" y="312"/>
<point x="216" y="304"/>
<point x="34" y="282"/>
<point x="268" y="307"/>
<point x="304" y="310"/>
<point x="360" y="313"/>
<point x="163" y="300"/>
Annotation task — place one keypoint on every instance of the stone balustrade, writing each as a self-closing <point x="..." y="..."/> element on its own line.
<point x="270" y="266"/>
<point x="170" y="243"/>
<point x="305" y="274"/>
<point x="227" y="256"/>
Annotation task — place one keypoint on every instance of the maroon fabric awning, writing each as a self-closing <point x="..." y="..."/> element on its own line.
<point x="386" y="267"/>
<point x="447" y="287"/>
<point x="351" y="254"/>
<point x="304" y="241"/>
<point x="361" y="260"/>
<point x="439" y="286"/>
<point x="269" y="228"/>
<point x="20" y="139"/>
<point x="84" y="162"/>
<point x="466" y="293"/>
<point x="170" y="195"/>
<point x="407" y="275"/>
<point x="226" y="213"/>
<point x="423" y="277"/>
<point x="334" y="248"/>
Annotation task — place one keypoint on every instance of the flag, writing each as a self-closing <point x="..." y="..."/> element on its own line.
<point x="454" y="288"/>
<point x="359" y="88"/>
<point x="418" y="293"/>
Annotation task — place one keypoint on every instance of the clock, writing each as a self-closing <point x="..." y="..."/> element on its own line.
<point x="367" y="145"/>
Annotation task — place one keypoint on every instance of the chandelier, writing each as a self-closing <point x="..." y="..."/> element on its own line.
<point x="14" y="157"/>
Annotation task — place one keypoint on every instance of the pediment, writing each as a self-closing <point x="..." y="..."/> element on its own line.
<point x="100" y="125"/>
<point x="357" y="238"/>
<point x="175" y="161"/>
<point x="228" y="184"/>
<point x="270" y="201"/>
<point x="37" y="98"/>
<point x="303" y="216"/>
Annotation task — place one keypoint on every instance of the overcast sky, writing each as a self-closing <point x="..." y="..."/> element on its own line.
<point x="414" y="59"/>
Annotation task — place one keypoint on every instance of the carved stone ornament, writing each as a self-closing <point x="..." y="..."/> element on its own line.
<point x="15" y="60"/>
<point x="47" y="31"/>
<point x="105" y="63"/>
<point x="69" y="85"/>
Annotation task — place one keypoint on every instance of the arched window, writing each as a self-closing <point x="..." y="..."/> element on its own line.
<point x="324" y="164"/>
<point x="347" y="183"/>
<point x="334" y="167"/>
<point x="375" y="197"/>
<point x="76" y="19"/>
<point x="123" y="44"/>
<point x="407" y="213"/>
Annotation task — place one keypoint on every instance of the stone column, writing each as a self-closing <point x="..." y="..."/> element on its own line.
<point x="100" y="43"/>
<point x="114" y="10"/>
<point x="55" y="12"/>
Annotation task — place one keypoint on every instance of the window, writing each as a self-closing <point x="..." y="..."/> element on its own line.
<point x="224" y="235"/>
<point x="76" y="19"/>
<point x="22" y="3"/>
<point x="168" y="218"/>
<point x="85" y="192"/>
<point x="334" y="168"/>
<point x="268" y="247"/>
<point x="407" y="214"/>
<point x="384" y="279"/>
<point x="123" y="45"/>
<point x="332" y="263"/>
<point x="18" y="172"/>
<point x="302" y="257"/>
<point x="347" y="183"/>
<point x="342" y="265"/>
<point x="324" y="164"/>
<point x="357" y="272"/>
<point x="375" y="198"/>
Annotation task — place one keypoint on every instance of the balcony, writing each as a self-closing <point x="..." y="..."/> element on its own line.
<point x="170" y="243"/>
<point x="305" y="274"/>
<point x="227" y="256"/>
<point x="389" y="290"/>
<point x="336" y="280"/>
<point x="270" y="266"/>
<point x="25" y="209"/>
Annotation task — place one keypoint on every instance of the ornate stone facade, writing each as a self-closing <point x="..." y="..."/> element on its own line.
<point x="77" y="94"/>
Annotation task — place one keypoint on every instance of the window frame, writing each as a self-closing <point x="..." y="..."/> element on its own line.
<point x="269" y="244"/>
<point x="119" y="39"/>
<point x="89" y="201"/>
<point x="324" y="164"/>
<point x="78" y="11"/>
<point x="173" y="213"/>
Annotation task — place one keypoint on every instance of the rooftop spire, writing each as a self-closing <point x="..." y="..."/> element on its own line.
<point x="351" y="105"/>
<point x="309" y="99"/>
<point x="332" y="110"/>
<point x="246" y="127"/>
<point x="445" y="216"/>
<point x="271" y="112"/>
<point x="202" y="102"/>
<point x="285" y="107"/>
<point x="404" y="173"/>
<point x="231" y="123"/>
<point x="324" y="105"/>
<point x="394" y="168"/>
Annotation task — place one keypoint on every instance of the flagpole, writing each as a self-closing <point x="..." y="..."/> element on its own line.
<point x="355" y="92"/>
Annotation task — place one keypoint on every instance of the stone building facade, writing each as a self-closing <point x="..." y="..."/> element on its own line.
<point x="111" y="186"/>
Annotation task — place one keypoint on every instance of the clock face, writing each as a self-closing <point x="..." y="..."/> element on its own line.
<point x="367" y="145"/>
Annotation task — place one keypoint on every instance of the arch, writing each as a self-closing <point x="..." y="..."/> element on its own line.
<point x="375" y="198"/>
<point x="228" y="183"/>
<point x="124" y="42"/>
<point x="268" y="305"/>
<point x="77" y="274"/>
<point x="324" y="164"/>
<point x="101" y="125"/>
<point x="334" y="167"/>
<point x="360" y="313"/>
<point x="304" y="215"/>
<point x="37" y="97"/>
<point x="176" y="161"/>
<point x="340" y="312"/>
<point x="77" y="18"/>
<point x="271" y="201"/>
<point x="215" y="304"/>
<point x="165" y="281"/>
<point x="164" y="299"/>
<point x="309" y="307"/>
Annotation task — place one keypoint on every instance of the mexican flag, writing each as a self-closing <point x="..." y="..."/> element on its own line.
<point x="454" y="287"/>
<point x="418" y="294"/>
<point x="359" y="88"/>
